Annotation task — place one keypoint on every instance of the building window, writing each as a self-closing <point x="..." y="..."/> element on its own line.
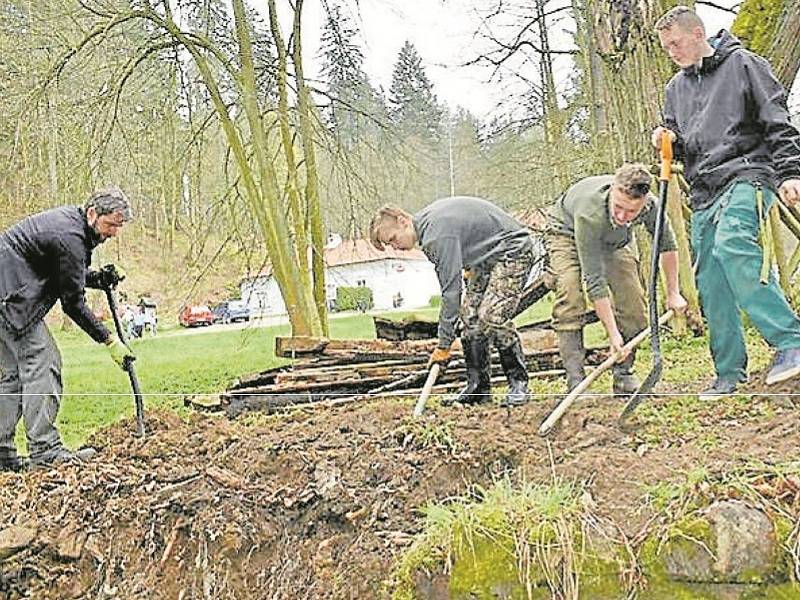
<point x="361" y="283"/>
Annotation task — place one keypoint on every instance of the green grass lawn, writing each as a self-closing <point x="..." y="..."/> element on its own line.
<point x="171" y="367"/>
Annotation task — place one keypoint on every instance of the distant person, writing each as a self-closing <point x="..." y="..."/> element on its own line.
<point x="139" y="320"/>
<point x="470" y="233"/>
<point x="590" y="246"/>
<point x="726" y="113"/>
<point x="127" y="321"/>
<point x="43" y="259"/>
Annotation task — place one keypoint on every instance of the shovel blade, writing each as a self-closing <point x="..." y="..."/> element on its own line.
<point x="644" y="390"/>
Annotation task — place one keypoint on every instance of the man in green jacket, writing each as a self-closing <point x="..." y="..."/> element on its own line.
<point x="592" y="253"/>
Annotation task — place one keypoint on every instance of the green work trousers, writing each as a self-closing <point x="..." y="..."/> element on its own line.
<point x="728" y="261"/>
<point x="622" y="273"/>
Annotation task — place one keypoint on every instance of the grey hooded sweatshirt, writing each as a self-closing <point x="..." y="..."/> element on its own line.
<point x="460" y="232"/>
<point x="732" y="123"/>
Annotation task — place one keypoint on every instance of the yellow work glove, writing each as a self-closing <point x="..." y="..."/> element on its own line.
<point x="119" y="351"/>
<point x="440" y="356"/>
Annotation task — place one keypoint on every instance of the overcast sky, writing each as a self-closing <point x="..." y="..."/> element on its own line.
<point x="444" y="33"/>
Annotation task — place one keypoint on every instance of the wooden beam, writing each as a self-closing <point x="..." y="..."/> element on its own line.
<point x="290" y="347"/>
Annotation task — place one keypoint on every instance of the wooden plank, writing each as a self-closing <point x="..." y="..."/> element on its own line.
<point x="289" y="347"/>
<point x="588" y="318"/>
<point x="407" y="328"/>
<point x="277" y="403"/>
<point x="533" y="340"/>
<point x="532" y="294"/>
<point x="285" y="346"/>
<point x="298" y="382"/>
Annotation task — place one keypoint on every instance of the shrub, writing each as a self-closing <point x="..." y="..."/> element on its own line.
<point x="354" y="298"/>
<point x="435" y="301"/>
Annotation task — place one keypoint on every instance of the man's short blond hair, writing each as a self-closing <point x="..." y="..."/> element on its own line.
<point x="634" y="179"/>
<point x="387" y="215"/>
<point x="680" y="16"/>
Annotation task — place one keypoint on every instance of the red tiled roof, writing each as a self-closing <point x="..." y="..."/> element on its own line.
<point x="350" y="252"/>
<point x="361" y="251"/>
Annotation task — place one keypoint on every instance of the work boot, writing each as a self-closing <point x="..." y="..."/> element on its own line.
<point x="625" y="382"/>
<point x="477" y="358"/>
<point x="721" y="388"/>
<point x="61" y="455"/>
<point x="9" y="461"/>
<point x="573" y="353"/>
<point x="513" y="361"/>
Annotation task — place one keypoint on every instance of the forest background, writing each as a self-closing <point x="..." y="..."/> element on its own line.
<point x="236" y="159"/>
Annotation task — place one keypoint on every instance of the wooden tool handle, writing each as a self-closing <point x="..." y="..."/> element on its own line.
<point x="426" y="390"/>
<point x="562" y="407"/>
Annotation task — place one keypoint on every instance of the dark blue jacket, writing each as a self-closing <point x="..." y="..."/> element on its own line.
<point x="732" y="123"/>
<point x="45" y="258"/>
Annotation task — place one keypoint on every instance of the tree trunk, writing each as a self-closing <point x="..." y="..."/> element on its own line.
<point x="772" y="29"/>
<point x="291" y="274"/>
<point x="312" y="178"/>
<point x="630" y="85"/>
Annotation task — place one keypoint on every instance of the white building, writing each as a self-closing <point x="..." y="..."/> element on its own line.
<point x="352" y="263"/>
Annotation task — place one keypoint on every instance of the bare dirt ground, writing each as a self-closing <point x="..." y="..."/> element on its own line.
<point x="320" y="504"/>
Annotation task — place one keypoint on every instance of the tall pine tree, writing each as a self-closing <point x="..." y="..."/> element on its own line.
<point x="355" y="107"/>
<point x="413" y="106"/>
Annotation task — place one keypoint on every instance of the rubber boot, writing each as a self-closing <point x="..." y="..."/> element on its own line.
<point x="625" y="382"/>
<point x="513" y="361"/>
<point x="477" y="357"/>
<point x="573" y="354"/>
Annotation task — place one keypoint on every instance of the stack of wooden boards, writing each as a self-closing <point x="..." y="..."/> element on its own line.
<point x="339" y="371"/>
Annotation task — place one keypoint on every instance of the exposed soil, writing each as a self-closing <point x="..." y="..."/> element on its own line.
<point x="319" y="504"/>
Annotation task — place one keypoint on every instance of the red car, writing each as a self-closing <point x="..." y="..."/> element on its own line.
<point x="196" y="316"/>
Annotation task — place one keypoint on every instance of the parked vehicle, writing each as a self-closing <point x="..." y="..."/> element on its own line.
<point x="231" y="311"/>
<point x="196" y="316"/>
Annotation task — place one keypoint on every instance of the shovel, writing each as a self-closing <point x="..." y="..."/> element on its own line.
<point x="655" y="373"/>
<point x="127" y="364"/>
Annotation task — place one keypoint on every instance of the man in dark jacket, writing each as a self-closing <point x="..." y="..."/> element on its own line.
<point x="727" y="115"/>
<point x="43" y="259"/>
<point x="463" y="233"/>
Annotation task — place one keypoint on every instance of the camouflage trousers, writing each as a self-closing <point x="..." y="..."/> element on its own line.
<point x="565" y="278"/>
<point x="491" y="299"/>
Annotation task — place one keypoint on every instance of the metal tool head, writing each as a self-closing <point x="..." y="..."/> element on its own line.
<point x="644" y="390"/>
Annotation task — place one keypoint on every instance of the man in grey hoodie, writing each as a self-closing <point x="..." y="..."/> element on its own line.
<point x="463" y="233"/>
<point x="726" y="113"/>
